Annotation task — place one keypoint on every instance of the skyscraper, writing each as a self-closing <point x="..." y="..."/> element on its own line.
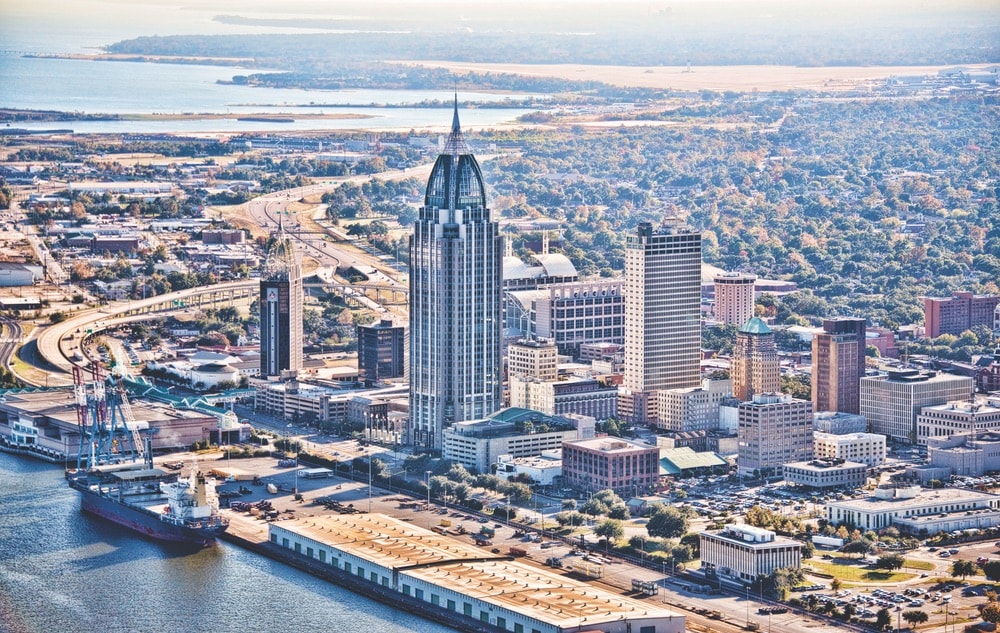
<point x="838" y="365"/>
<point x="381" y="350"/>
<point x="774" y="430"/>
<point x="734" y="297"/>
<point x="662" y="316"/>
<point x="755" y="367"/>
<point x="456" y="275"/>
<point x="280" y="309"/>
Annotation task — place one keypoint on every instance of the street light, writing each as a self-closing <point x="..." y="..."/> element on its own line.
<point x="369" y="483"/>
<point x="428" y="474"/>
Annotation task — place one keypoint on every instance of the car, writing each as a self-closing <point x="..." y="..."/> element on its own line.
<point x="483" y="520"/>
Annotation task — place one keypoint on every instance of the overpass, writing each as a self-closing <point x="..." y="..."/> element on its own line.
<point x="60" y="344"/>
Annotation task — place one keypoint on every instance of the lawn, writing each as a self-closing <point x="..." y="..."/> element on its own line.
<point x="849" y="570"/>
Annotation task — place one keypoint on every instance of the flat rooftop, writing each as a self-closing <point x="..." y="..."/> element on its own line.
<point x="924" y="498"/>
<point x="473" y="571"/>
<point x="60" y="404"/>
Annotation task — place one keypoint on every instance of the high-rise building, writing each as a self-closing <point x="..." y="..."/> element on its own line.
<point x="662" y="316"/>
<point x="755" y="367"/>
<point x="775" y="430"/>
<point x="381" y="350"/>
<point x="693" y="409"/>
<point x="456" y="324"/>
<point x="956" y="314"/>
<point x="280" y="310"/>
<point x="734" y="297"/>
<point x="892" y="402"/>
<point x="838" y="364"/>
<point x="533" y="358"/>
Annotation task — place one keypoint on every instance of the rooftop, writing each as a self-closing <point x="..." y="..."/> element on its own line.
<point x="920" y="500"/>
<point x="471" y="571"/>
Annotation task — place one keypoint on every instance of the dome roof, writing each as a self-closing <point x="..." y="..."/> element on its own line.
<point x="456" y="182"/>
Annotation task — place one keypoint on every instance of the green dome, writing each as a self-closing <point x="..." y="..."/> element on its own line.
<point x="755" y="325"/>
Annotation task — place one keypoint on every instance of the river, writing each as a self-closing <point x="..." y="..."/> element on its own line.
<point x="65" y="571"/>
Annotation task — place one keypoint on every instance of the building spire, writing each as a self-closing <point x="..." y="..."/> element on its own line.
<point x="456" y="143"/>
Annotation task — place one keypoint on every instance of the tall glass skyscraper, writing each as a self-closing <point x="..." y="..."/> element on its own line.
<point x="662" y="316"/>
<point x="456" y="274"/>
<point x="280" y="309"/>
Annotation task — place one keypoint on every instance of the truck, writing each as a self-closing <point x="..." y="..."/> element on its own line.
<point x="517" y="552"/>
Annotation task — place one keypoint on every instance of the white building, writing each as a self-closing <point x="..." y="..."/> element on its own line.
<point x="867" y="448"/>
<point x="957" y="418"/>
<point x="826" y="473"/>
<point x="517" y="432"/>
<point x="891" y="402"/>
<point x="693" y="408"/>
<point x="918" y="510"/>
<point x="743" y="553"/>
<point x="544" y="469"/>
<point x="584" y="396"/>
<point x="384" y="556"/>
<point x="839" y="423"/>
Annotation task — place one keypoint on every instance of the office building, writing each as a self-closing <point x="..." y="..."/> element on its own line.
<point x="662" y="316"/>
<point x="515" y="432"/>
<point x="917" y="511"/>
<point x="774" y="429"/>
<point x="603" y="463"/>
<point x="692" y="409"/>
<point x="958" y="313"/>
<point x="734" y="298"/>
<point x="571" y="314"/>
<point x="381" y="351"/>
<point x="533" y="359"/>
<point x="744" y="553"/>
<point x="583" y="396"/>
<point x="838" y="363"/>
<point x="866" y="448"/>
<point x="891" y="402"/>
<point x="280" y="310"/>
<point x="456" y="320"/>
<point x="838" y="423"/>
<point x="755" y="366"/>
<point x="827" y="473"/>
<point x="963" y="417"/>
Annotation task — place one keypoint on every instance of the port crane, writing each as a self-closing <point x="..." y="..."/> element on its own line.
<point x="109" y="433"/>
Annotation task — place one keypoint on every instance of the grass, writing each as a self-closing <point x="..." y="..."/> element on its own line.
<point x="853" y="573"/>
<point x="922" y="565"/>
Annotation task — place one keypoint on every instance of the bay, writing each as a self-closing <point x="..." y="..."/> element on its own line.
<point x="67" y="571"/>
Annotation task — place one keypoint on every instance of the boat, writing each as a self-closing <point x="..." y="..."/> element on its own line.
<point x="159" y="504"/>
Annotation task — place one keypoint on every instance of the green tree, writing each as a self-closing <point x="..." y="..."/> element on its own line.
<point x="883" y="619"/>
<point x="963" y="568"/>
<point x="992" y="570"/>
<point x="890" y="561"/>
<point x="990" y="612"/>
<point x="666" y="522"/>
<point x="569" y="504"/>
<point x="915" y="617"/>
<point x="610" y="529"/>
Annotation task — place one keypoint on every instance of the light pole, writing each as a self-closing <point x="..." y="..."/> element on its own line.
<point x="369" y="483"/>
<point x="428" y="475"/>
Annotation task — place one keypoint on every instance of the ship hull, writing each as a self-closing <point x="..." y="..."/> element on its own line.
<point x="145" y="521"/>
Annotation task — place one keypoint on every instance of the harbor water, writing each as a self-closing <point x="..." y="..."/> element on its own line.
<point x="65" y="571"/>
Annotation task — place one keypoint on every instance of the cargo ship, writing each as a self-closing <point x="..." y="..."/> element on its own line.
<point x="153" y="502"/>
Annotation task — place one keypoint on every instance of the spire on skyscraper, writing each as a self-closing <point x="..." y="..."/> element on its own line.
<point x="456" y="142"/>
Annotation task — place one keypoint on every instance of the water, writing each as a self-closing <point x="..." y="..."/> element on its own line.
<point x="64" y="570"/>
<point x="129" y="88"/>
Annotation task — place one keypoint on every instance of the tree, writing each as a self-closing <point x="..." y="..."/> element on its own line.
<point x="666" y="522"/>
<point x="890" y="561"/>
<point x="915" y="617"/>
<point x="990" y="612"/>
<point x="569" y="504"/>
<point x="836" y="584"/>
<point x="611" y="529"/>
<point x="883" y="619"/>
<point x="992" y="570"/>
<point x="963" y="568"/>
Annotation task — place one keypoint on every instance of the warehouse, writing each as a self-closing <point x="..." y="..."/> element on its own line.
<point x="465" y="579"/>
